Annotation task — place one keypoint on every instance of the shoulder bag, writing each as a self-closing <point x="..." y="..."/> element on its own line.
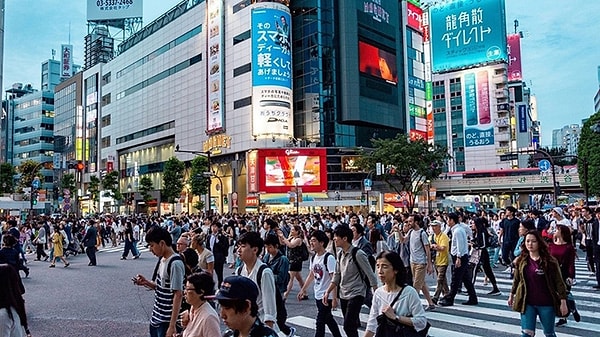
<point x="387" y="327"/>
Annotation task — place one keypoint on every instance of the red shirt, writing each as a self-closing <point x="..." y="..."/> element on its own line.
<point x="565" y="254"/>
<point x="537" y="287"/>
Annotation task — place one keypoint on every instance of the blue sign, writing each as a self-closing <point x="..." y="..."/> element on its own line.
<point x="471" y="99"/>
<point x="522" y="118"/>
<point x="544" y="165"/>
<point x="35" y="183"/>
<point x="466" y="33"/>
<point x="271" y="46"/>
<point x="476" y="137"/>
<point x="368" y="183"/>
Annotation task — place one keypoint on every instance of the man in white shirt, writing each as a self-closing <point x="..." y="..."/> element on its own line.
<point x="460" y="258"/>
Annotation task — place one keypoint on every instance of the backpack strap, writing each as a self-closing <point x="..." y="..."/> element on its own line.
<point x="360" y="271"/>
<point x="325" y="259"/>
<point x="175" y="257"/>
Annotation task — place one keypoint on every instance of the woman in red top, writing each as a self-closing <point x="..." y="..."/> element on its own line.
<point x="562" y="249"/>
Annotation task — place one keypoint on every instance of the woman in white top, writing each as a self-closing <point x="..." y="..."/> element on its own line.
<point x="408" y="309"/>
<point x="13" y="319"/>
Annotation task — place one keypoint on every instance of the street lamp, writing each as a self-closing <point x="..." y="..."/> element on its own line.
<point x="128" y="199"/>
<point x="428" y="182"/>
<point x="296" y="179"/>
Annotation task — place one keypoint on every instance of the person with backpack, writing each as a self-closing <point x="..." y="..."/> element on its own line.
<point x="322" y="267"/>
<point x="420" y="256"/>
<point x="167" y="283"/>
<point x="359" y="241"/>
<point x="352" y="273"/>
<point x="482" y="240"/>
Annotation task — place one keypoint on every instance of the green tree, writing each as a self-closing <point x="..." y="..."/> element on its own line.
<point x="589" y="143"/>
<point x="145" y="187"/>
<point x="28" y="170"/>
<point x="407" y="164"/>
<point x="110" y="184"/>
<point x="94" y="190"/>
<point x="199" y="183"/>
<point x="7" y="178"/>
<point x="558" y="156"/>
<point x="173" y="179"/>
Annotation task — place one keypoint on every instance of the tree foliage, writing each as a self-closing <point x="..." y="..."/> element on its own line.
<point x="199" y="184"/>
<point x="589" y="143"/>
<point x="28" y="170"/>
<point x="407" y="164"/>
<point x="68" y="182"/>
<point x="173" y="179"/>
<point x="559" y="156"/>
<point x="94" y="189"/>
<point x="7" y="180"/>
<point x="145" y="187"/>
<point x="110" y="184"/>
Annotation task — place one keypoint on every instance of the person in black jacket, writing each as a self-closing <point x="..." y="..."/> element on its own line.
<point x="595" y="239"/>
<point x="89" y="242"/>
<point x="480" y="241"/>
<point x="218" y="244"/>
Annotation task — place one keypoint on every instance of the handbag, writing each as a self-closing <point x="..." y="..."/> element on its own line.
<point x="387" y="327"/>
<point x="475" y="256"/>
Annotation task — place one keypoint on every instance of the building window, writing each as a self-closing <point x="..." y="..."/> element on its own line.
<point x="105" y="121"/>
<point x="106" y="79"/>
<point x="106" y="99"/>
<point x="241" y="5"/>
<point x="242" y="102"/>
<point x="106" y="142"/>
<point x="246" y="68"/>
<point x="241" y="37"/>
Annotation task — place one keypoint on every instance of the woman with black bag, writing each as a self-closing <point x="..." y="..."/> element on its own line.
<point x="396" y="309"/>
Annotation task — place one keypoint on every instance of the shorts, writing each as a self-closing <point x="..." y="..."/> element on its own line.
<point x="295" y="265"/>
<point x="418" y="271"/>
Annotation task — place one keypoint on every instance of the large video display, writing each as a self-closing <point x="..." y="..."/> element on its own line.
<point x="377" y="62"/>
<point x="467" y="33"/>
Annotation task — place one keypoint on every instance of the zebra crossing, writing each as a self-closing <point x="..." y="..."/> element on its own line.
<point x="492" y="317"/>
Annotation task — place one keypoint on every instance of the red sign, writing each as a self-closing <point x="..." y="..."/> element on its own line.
<point x="251" y="164"/>
<point x="416" y="134"/>
<point x="251" y="201"/>
<point x="414" y="15"/>
<point x="282" y="169"/>
<point x="514" y="57"/>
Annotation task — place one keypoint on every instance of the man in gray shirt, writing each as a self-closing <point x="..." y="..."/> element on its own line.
<point x="420" y="257"/>
<point x="351" y="281"/>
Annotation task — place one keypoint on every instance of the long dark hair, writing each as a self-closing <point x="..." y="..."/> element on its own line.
<point x="396" y="262"/>
<point x="10" y="293"/>
<point x="545" y="256"/>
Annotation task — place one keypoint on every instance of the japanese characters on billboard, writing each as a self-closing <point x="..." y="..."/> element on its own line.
<point x="214" y="65"/>
<point x="100" y="10"/>
<point x="271" y="70"/>
<point x="514" y="57"/>
<point x="66" y="60"/>
<point x="467" y="33"/>
<point x="377" y="62"/>
<point x="277" y="167"/>
<point x="252" y="171"/>
<point x="414" y="16"/>
<point x="479" y="129"/>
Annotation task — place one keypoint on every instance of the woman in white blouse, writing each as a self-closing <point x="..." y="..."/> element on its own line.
<point x="408" y="309"/>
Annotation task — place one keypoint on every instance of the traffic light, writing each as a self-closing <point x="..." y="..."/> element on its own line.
<point x="225" y="200"/>
<point x="34" y="196"/>
<point x="363" y="197"/>
<point x="80" y="166"/>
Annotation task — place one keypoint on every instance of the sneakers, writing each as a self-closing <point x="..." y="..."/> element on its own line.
<point x="292" y="332"/>
<point x="561" y="322"/>
<point x="470" y="302"/>
<point x="576" y="315"/>
<point x="495" y="292"/>
<point x="123" y="258"/>
<point x="430" y="307"/>
<point x="445" y="303"/>
<point x="508" y="270"/>
<point x="51" y="266"/>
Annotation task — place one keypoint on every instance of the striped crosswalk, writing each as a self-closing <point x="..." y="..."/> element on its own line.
<point x="493" y="317"/>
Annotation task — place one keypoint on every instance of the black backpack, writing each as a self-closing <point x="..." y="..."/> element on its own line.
<point x="155" y="273"/>
<point x="325" y="259"/>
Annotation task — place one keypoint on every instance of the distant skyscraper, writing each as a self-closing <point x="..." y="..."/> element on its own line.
<point x="567" y="137"/>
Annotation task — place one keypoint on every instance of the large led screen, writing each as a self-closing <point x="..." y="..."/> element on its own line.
<point x="278" y="167"/>
<point x="467" y="33"/>
<point x="377" y="62"/>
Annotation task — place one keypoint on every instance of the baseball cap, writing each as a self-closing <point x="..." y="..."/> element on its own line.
<point x="436" y="223"/>
<point x="236" y="288"/>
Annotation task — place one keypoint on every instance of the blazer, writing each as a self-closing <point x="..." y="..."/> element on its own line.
<point x="221" y="248"/>
<point x="89" y="240"/>
<point x="595" y="232"/>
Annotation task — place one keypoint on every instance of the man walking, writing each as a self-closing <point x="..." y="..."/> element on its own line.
<point x="218" y="244"/>
<point x="420" y="257"/>
<point x="509" y="231"/>
<point x="89" y="242"/>
<point x="460" y="259"/>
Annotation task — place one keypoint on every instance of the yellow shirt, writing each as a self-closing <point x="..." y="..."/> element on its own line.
<point x="441" y="258"/>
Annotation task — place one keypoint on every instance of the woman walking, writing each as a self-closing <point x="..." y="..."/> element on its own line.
<point x="538" y="289"/>
<point x="13" y="319"/>
<point x="563" y="251"/>
<point x="294" y="245"/>
<point x="57" y="246"/>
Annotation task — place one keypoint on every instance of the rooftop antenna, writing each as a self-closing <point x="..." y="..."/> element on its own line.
<point x="53" y="53"/>
<point x="516" y="26"/>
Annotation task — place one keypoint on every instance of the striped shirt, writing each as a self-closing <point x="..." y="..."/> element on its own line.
<point x="166" y="285"/>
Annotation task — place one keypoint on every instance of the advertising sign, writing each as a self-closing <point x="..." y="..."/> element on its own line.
<point x="100" y="10"/>
<point x="66" y="60"/>
<point x="467" y="33"/>
<point x="414" y="17"/>
<point x="377" y="62"/>
<point x="214" y="65"/>
<point x="278" y="167"/>
<point x="271" y="70"/>
<point x="522" y="118"/>
<point x="375" y="8"/>
<point x="514" y="57"/>
<point x="252" y="165"/>
<point x="479" y="130"/>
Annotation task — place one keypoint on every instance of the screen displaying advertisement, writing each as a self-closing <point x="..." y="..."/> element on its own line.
<point x="99" y="10"/>
<point x="414" y="17"/>
<point x="271" y="70"/>
<point x="377" y="62"/>
<point x="466" y="35"/>
<point x="214" y="66"/>
<point x="513" y="42"/>
<point x="277" y="168"/>
<point x="479" y="129"/>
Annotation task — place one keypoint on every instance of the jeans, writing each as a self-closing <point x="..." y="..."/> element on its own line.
<point x="39" y="251"/>
<point x="351" y="310"/>
<point x="547" y="316"/>
<point x="134" y="248"/>
<point x="494" y="254"/>
<point x="159" y="330"/>
<point x="324" y="317"/>
<point x="128" y="247"/>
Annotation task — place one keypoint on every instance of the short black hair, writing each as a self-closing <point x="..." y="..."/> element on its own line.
<point x="157" y="234"/>
<point x="272" y="240"/>
<point x="190" y="256"/>
<point x="343" y="231"/>
<point x="320" y="236"/>
<point x="453" y="216"/>
<point x="203" y="282"/>
<point x="240" y="306"/>
<point x="253" y="239"/>
<point x="359" y="228"/>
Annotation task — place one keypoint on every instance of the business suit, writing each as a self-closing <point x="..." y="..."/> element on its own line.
<point x="218" y="244"/>
<point x="89" y="242"/>
<point x="595" y="238"/>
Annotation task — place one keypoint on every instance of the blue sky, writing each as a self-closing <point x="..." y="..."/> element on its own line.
<point x="560" y="51"/>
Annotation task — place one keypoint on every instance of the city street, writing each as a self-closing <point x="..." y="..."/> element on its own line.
<point x="102" y="301"/>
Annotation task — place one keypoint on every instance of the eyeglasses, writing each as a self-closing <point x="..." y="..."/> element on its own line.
<point x="190" y="289"/>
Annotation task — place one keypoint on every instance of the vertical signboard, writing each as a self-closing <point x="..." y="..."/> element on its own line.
<point x="271" y="70"/>
<point x="513" y="42"/>
<point x="479" y="129"/>
<point x="214" y="66"/>
<point x="252" y="178"/>
<point x="66" y="60"/>
<point x="467" y="33"/>
<point x="414" y="17"/>
<point x="522" y="118"/>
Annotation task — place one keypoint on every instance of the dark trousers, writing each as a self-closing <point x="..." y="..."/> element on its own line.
<point x="460" y="276"/>
<point x="324" y="317"/>
<point x="508" y="252"/>
<point x="128" y="248"/>
<point x="91" y="253"/>
<point x="597" y="262"/>
<point x="589" y="255"/>
<point x="219" y="262"/>
<point x="39" y="251"/>
<point x="487" y="268"/>
<point x="351" y="311"/>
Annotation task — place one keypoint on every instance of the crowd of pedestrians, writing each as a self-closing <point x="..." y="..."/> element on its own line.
<point x="354" y="259"/>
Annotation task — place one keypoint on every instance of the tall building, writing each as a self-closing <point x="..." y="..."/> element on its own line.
<point x="567" y="137"/>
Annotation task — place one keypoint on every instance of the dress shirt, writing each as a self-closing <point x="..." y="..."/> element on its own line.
<point x="459" y="242"/>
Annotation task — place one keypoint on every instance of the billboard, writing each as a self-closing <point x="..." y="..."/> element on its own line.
<point x="513" y="42"/>
<point x="214" y="66"/>
<point x="465" y="33"/>
<point x="377" y="62"/>
<point x="414" y="16"/>
<point x="276" y="169"/>
<point x="101" y="10"/>
<point x="66" y="60"/>
<point x="271" y="70"/>
<point x="479" y="129"/>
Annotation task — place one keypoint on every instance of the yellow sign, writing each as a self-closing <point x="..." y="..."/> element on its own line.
<point x="217" y="142"/>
